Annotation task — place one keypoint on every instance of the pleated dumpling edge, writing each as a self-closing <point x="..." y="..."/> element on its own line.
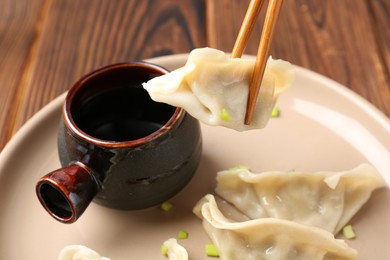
<point x="268" y="238"/>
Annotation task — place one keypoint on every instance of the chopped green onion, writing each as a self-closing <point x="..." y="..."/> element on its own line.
<point x="166" y="206"/>
<point x="164" y="249"/>
<point x="348" y="232"/>
<point x="182" y="234"/>
<point x="225" y="115"/>
<point x="275" y="112"/>
<point x="239" y="167"/>
<point x="211" y="250"/>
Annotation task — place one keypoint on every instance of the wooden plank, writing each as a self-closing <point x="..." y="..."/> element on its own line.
<point x="223" y="21"/>
<point x="380" y="13"/>
<point x="79" y="36"/>
<point x="18" y="27"/>
<point x="317" y="35"/>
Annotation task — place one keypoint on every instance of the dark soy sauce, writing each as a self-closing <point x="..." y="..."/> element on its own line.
<point x="122" y="114"/>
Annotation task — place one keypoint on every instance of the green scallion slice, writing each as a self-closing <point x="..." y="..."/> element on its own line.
<point x="275" y="112"/>
<point x="166" y="206"/>
<point x="182" y="234"/>
<point x="348" y="232"/>
<point x="225" y="115"/>
<point x="211" y="250"/>
<point x="164" y="249"/>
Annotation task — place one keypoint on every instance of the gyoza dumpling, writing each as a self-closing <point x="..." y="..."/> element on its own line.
<point x="323" y="199"/>
<point x="79" y="252"/>
<point x="268" y="238"/>
<point x="175" y="250"/>
<point x="213" y="88"/>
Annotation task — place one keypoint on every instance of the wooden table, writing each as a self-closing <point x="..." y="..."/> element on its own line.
<point x="45" y="45"/>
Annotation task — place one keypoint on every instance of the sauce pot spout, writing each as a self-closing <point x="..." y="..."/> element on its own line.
<point x="66" y="193"/>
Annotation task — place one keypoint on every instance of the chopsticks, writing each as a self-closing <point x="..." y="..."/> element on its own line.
<point x="271" y="18"/>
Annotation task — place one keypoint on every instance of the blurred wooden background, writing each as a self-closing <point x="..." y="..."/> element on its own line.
<point x="46" y="45"/>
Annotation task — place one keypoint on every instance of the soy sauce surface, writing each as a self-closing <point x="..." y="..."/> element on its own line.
<point x="122" y="114"/>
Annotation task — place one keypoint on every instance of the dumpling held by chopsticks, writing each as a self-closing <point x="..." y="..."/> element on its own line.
<point x="213" y="88"/>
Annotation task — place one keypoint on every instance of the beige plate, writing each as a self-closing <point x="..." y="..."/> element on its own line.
<point x="323" y="126"/>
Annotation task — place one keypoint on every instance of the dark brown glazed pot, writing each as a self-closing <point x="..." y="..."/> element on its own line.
<point x="117" y="147"/>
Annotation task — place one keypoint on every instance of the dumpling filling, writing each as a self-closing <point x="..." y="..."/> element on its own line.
<point x="213" y="88"/>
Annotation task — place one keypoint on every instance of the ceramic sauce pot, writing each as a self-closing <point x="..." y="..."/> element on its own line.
<point x="117" y="147"/>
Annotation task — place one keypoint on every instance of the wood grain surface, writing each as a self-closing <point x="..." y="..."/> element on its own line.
<point x="46" y="45"/>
